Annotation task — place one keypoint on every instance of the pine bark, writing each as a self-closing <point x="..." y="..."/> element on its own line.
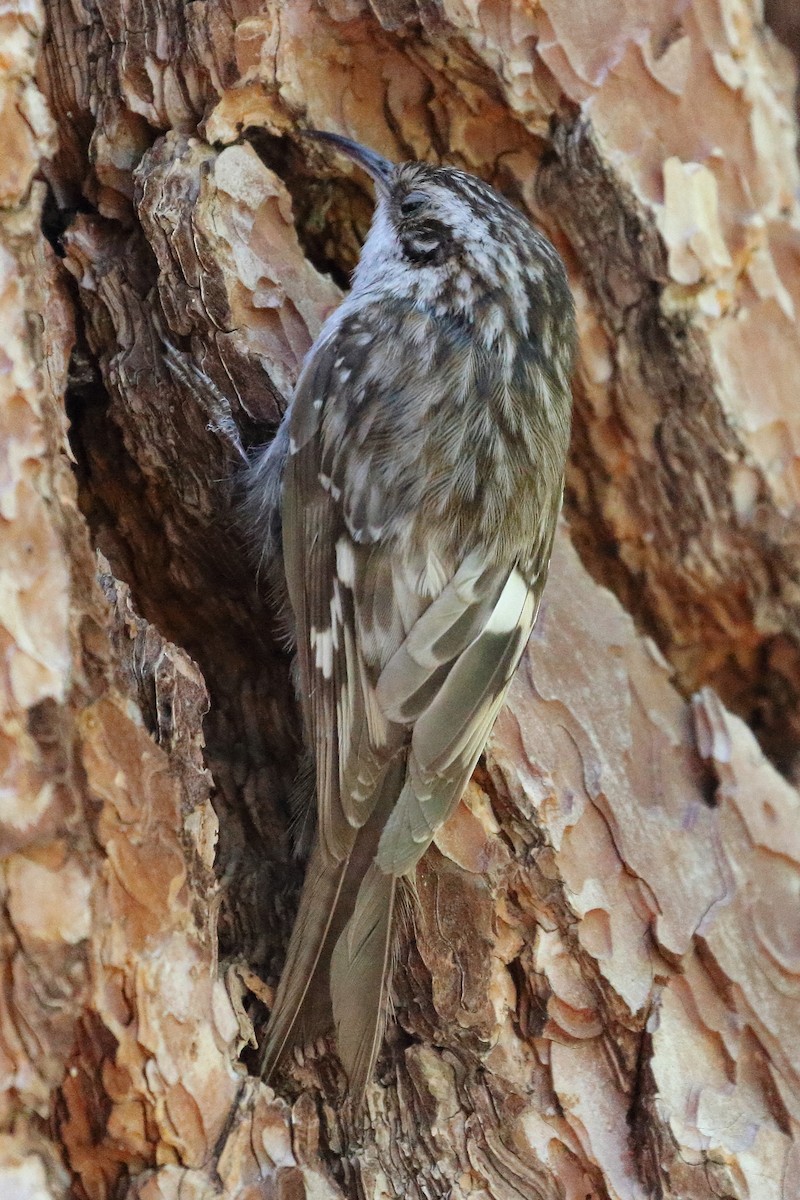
<point x="601" y="995"/>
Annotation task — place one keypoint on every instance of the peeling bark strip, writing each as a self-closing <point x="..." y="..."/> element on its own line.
<point x="715" y="572"/>
<point x="602" y="996"/>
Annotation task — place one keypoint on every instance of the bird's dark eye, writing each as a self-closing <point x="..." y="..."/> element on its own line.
<point x="413" y="203"/>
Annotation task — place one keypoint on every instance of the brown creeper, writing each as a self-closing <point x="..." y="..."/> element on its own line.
<point x="413" y="488"/>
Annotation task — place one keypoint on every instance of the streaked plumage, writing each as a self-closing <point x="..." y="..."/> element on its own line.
<point x="410" y="500"/>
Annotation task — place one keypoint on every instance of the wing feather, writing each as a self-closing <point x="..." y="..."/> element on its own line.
<point x="350" y="735"/>
<point x="446" y="628"/>
<point x="451" y="732"/>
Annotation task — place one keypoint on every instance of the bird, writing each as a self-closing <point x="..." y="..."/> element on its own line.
<point x="405" y="514"/>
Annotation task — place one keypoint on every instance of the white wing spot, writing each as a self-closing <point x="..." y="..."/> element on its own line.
<point x="322" y="645"/>
<point x="336" y="613"/>
<point x="508" y="610"/>
<point x="329" y="486"/>
<point x="345" y="563"/>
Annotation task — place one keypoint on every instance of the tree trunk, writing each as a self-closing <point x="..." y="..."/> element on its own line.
<point x="601" y="995"/>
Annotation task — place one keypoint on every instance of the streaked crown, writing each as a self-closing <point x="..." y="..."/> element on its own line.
<point x="453" y="245"/>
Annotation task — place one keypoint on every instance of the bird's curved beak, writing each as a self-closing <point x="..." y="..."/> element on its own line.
<point x="380" y="169"/>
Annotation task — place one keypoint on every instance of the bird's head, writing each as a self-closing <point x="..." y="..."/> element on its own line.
<point x="449" y="242"/>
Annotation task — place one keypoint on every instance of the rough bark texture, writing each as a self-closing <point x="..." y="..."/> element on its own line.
<point x="602" y="994"/>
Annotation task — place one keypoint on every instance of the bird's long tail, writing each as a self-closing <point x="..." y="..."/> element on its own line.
<point x="302" y="1009"/>
<point x="361" y="977"/>
<point x="339" y="960"/>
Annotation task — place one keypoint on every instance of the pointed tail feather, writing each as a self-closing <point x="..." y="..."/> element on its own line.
<point x="361" y="977"/>
<point x="293" y="1019"/>
<point x="339" y="954"/>
<point x="361" y="960"/>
